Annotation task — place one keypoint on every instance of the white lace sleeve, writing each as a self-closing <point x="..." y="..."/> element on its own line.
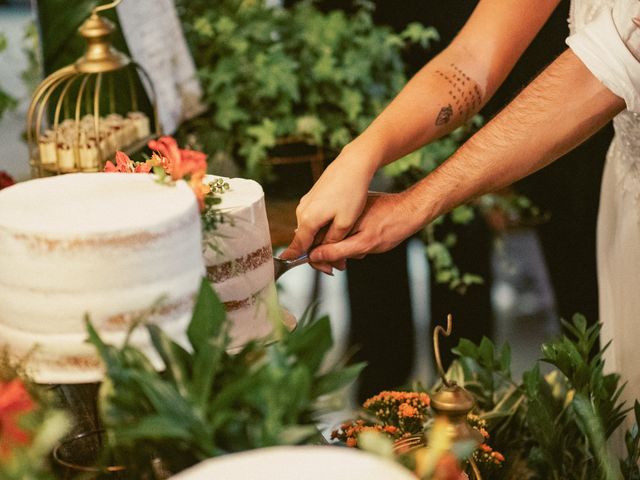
<point x="609" y="46"/>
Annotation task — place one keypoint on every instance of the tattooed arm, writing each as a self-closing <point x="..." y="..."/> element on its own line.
<point x="561" y="108"/>
<point x="442" y="95"/>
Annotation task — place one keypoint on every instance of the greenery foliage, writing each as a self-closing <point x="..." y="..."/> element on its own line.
<point x="270" y="73"/>
<point x="7" y="102"/>
<point x="208" y="402"/>
<point x="552" y="426"/>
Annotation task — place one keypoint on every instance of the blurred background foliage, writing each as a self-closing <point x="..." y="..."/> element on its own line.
<point x="270" y="73"/>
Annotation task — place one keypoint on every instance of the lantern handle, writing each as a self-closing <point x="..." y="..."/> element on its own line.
<point x="436" y="348"/>
<point x="106" y="6"/>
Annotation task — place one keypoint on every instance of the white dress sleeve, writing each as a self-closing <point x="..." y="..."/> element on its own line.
<point x="609" y="47"/>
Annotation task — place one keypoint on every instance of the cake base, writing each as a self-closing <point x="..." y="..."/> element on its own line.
<point x="69" y="359"/>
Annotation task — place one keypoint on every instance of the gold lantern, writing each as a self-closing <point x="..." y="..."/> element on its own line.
<point x="453" y="401"/>
<point x="72" y="122"/>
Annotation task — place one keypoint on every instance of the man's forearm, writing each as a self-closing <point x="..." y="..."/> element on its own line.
<point x="561" y="108"/>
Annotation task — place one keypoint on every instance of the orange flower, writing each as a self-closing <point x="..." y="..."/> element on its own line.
<point x="192" y="162"/>
<point x="497" y="456"/>
<point x="143" y="167"/>
<point x="200" y="189"/>
<point x="125" y="165"/>
<point x="167" y="148"/>
<point x="14" y="401"/>
<point x="406" y="410"/>
<point x="178" y="162"/>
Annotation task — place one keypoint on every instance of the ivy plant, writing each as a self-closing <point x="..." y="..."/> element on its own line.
<point x="7" y="102"/>
<point x="270" y="73"/>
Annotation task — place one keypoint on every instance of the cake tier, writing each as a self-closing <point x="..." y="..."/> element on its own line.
<point x="238" y="252"/>
<point x="254" y="318"/>
<point x="103" y="245"/>
<point x="68" y="358"/>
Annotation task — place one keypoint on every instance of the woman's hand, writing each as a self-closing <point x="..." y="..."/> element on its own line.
<point x="328" y="212"/>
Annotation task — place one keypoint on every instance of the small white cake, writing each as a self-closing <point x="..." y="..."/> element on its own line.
<point x="239" y="261"/>
<point x="103" y="244"/>
<point x="67" y="147"/>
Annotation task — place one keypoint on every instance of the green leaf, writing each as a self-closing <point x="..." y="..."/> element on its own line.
<point x="418" y="33"/>
<point x="153" y="427"/>
<point x="176" y="359"/>
<point x="208" y="317"/>
<point x="466" y="348"/>
<point x="590" y="424"/>
<point x="486" y="351"/>
<point x="337" y="379"/>
<point x="505" y="358"/>
<point x="462" y="214"/>
<point x="107" y="353"/>
<point x="377" y="443"/>
<point x="402" y="165"/>
<point x="310" y="342"/>
<point x="472" y="279"/>
<point x="264" y="133"/>
<point x="351" y="103"/>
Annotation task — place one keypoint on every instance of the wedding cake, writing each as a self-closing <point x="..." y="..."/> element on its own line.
<point x="120" y="247"/>
<point x="238" y="259"/>
<point x="115" y="247"/>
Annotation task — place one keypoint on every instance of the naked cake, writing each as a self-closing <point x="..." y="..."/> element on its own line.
<point x="238" y="259"/>
<point x="114" y="247"/>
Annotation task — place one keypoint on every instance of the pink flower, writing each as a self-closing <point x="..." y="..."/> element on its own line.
<point x="14" y="401"/>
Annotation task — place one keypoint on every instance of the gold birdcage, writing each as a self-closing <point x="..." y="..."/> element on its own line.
<point x="73" y="122"/>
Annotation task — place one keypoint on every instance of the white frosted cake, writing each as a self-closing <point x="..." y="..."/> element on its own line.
<point x="107" y="245"/>
<point x="238" y="258"/>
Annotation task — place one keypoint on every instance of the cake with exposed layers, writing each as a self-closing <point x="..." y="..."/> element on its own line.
<point x="121" y="247"/>
<point x="238" y="259"/>
<point x="115" y="247"/>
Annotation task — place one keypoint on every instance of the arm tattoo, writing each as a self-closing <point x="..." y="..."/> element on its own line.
<point x="464" y="93"/>
<point x="444" y="115"/>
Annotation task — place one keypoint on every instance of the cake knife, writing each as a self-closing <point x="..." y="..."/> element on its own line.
<point x="281" y="265"/>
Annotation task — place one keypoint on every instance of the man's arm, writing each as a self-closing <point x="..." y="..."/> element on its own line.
<point x="557" y="111"/>
<point x="445" y="93"/>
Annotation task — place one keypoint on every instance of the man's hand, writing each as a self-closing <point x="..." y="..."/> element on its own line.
<point x="386" y="221"/>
